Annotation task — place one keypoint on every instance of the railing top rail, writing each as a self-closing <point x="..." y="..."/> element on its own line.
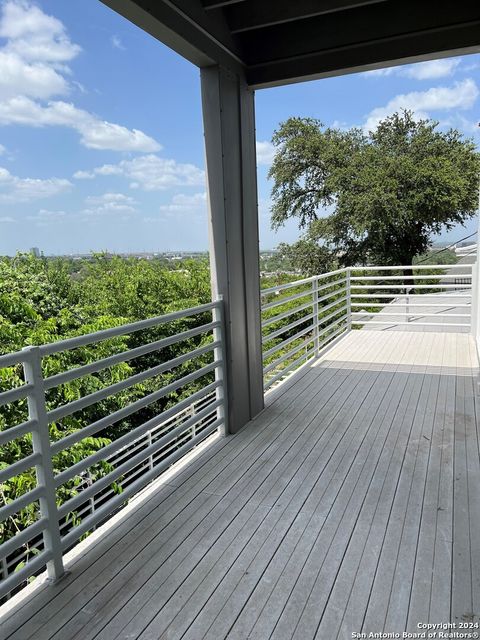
<point x="412" y="266"/>
<point x="11" y="359"/>
<point x="418" y="276"/>
<point x="17" y="357"/>
<point x="124" y="329"/>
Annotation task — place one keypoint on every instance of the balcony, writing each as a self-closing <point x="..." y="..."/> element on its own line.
<point x="348" y="504"/>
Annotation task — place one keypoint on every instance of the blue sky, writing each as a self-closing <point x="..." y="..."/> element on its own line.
<point x="101" y="142"/>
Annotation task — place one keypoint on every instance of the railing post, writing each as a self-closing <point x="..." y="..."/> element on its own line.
<point x="220" y="355"/>
<point x="349" y="297"/>
<point x="407" y="303"/>
<point x="315" y="320"/>
<point x="475" y="300"/>
<point x="150" y="457"/>
<point x="37" y="411"/>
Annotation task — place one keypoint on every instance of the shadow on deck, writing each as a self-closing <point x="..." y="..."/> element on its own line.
<point x="352" y="503"/>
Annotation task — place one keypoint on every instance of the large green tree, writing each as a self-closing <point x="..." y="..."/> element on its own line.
<point x="376" y="197"/>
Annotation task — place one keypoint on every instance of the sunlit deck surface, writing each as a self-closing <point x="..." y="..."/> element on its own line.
<point x="351" y="503"/>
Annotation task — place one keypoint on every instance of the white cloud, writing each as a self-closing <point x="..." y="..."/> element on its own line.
<point x="265" y="152"/>
<point x="33" y="69"/>
<point x="94" y="133"/>
<point x="45" y="217"/>
<point x="83" y="175"/>
<point x="34" y="35"/>
<point x="429" y="70"/>
<point x="462" y="95"/>
<point x="36" y="80"/>
<point x="117" y="43"/>
<point x="150" y="173"/>
<point x="433" y="69"/>
<point x="15" y="189"/>
<point x="182" y="204"/>
<point x="3" y="150"/>
<point x="109" y="198"/>
<point x="109" y="203"/>
<point x="6" y="220"/>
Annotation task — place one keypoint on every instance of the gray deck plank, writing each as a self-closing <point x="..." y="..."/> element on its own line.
<point x="473" y="454"/>
<point x="328" y="550"/>
<point x="351" y="502"/>
<point x="298" y="462"/>
<point x="270" y="596"/>
<point x="326" y="591"/>
<point x="419" y="609"/>
<point x="441" y="587"/>
<point x="462" y="601"/>
<point x="357" y="594"/>
<point x="237" y="586"/>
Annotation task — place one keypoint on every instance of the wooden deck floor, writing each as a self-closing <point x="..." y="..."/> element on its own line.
<point x="351" y="503"/>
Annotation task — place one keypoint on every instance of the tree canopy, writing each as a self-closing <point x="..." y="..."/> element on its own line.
<point x="376" y="197"/>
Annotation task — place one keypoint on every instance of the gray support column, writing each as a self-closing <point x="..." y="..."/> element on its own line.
<point x="229" y="124"/>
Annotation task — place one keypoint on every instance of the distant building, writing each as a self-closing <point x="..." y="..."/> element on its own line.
<point x="35" y="251"/>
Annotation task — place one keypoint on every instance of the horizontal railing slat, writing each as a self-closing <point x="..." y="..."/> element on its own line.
<point x="410" y="305"/>
<point x="122" y="330"/>
<point x="297" y="296"/>
<point x="305" y="357"/>
<point x="97" y="426"/>
<point x="97" y="396"/>
<point x="416" y="324"/>
<point x="297" y="283"/>
<point x="286" y="314"/>
<point x="458" y="287"/>
<point x="32" y="566"/>
<point x="19" y="430"/>
<point x="464" y="294"/>
<point x="18" y="467"/>
<point x="13" y="359"/>
<point x="135" y="487"/>
<point x="292" y="325"/>
<point x="20" y="503"/>
<point x="404" y="313"/>
<point x="288" y="355"/>
<point x="281" y="345"/>
<point x="23" y="537"/>
<point x="408" y="266"/>
<point x="115" y="446"/>
<point x="413" y="277"/>
<point x="98" y="365"/>
<point x="12" y="395"/>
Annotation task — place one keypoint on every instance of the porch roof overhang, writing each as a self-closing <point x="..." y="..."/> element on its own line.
<point x="277" y="42"/>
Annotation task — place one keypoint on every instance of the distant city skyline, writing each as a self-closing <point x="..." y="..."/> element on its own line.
<point x="101" y="140"/>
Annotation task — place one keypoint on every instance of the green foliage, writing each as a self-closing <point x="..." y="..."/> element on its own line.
<point x="439" y="256"/>
<point x="387" y="192"/>
<point x="309" y="257"/>
<point x="44" y="300"/>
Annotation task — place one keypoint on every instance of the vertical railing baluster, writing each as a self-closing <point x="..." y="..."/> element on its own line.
<point x="149" y="444"/>
<point x="474" y="300"/>
<point x="219" y="354"/>
<point x="4" y="570"/>
<point x="37" y="411"/>
<point x="348" y="291"/>
<point x="316" y="343"/>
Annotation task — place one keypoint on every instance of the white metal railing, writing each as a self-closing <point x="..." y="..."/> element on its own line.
<point x="67" y="502"/>
<point x="430" y="296"/>
<point x="301" y="318"/>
